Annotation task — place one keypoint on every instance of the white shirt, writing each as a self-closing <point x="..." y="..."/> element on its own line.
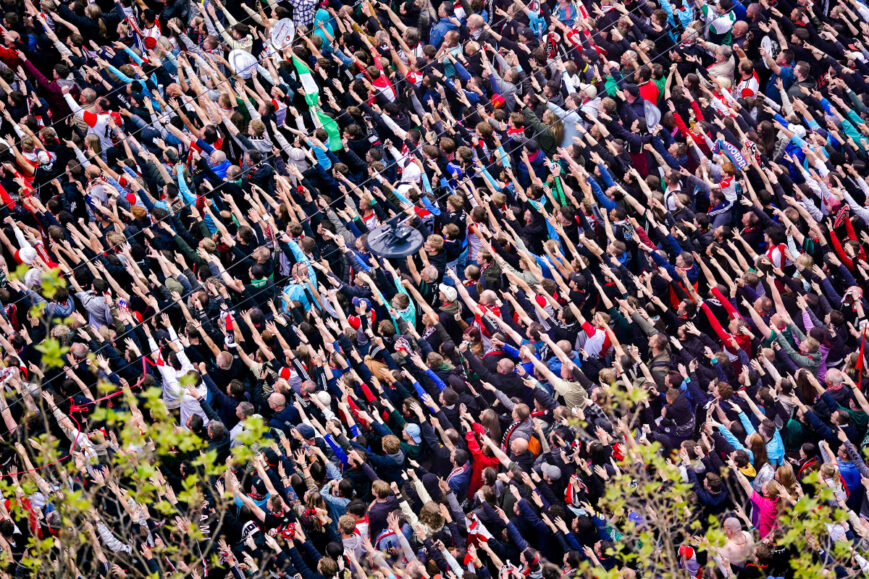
<point x="174" y="395"/>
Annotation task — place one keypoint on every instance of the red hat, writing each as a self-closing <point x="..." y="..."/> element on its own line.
<point x="354" y="322"/>
<point x="498" y="101"/>
<point x="284" y="373"/>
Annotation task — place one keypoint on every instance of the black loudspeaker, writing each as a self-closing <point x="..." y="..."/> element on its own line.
<point x="393" y="241"/>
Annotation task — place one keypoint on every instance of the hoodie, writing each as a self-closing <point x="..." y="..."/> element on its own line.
<point x="323" y="18"/>
<point x="388" y="466"/>
<point x="353" y="544"/>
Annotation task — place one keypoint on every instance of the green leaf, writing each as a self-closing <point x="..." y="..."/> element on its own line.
<point x="52" y="353"/>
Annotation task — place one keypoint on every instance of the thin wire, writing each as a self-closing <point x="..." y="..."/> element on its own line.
<point x="446" y="194"/>
<point x="228" y="79"/>
<point x="308" y="218"/>
<point x="112" y="91"/>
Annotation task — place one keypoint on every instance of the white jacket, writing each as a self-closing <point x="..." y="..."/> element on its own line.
<point x="174" y="395"/>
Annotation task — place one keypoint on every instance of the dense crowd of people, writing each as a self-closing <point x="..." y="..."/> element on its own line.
<point x="645" y="227"/>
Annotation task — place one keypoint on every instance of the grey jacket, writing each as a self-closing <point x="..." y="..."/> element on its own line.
<point x="99" y="313"/>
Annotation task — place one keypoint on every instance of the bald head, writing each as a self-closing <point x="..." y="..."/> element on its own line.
<point x="488" y="297"/>
<point x="732" y="525"/>
<point x="506" y="366"/>
<point x="224" y="360"/>
<point x="518" y="446"/>
<point x="88" y="96"/>
<point x="218" y="157"/>
<point x="78" y="350"/>
<point x="277" y="401"/>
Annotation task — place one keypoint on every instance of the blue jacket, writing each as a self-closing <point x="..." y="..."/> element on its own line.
<point x="286" y="417"/>
<point x="775" y="448"/>
<point x="460" y="481"/>
<point x="439" y="31"/>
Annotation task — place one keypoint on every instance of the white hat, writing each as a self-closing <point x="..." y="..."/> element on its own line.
<point x="411" y="172"/>
<point x="449" y="292"/>
<point x="797" y="130"/>
<point x="27" y="255"/>
<point x="32" y="278"/>
<point x="324" y="398"/>
<point x="242" y="62"/>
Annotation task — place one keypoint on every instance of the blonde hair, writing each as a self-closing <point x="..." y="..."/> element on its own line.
<point x="805" y="261"/>
<point x="827" y="470"/>
<point x="92" y="142"/>
<point x="28" y="143"/>
<point x="115" y="238"/>
<point x="430" y="515"/>
<point x="435" y="240"/>
<point x="812" y="344"/>
<point x="257" y="126"/>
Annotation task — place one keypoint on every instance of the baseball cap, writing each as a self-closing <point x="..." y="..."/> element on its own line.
<point x="578" y="279"/>
<point x="413" y="431"/>
<point x="258" y="489"/>
<point x="449" y="292"/>
<point x="306" y="430"/>
<point x="357" y="301"/>
<point x="550" y="470"/>
<point x="27" y="255"/>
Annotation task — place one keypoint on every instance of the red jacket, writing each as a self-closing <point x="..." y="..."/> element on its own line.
<point x="9" y="57"/>
<point x="479" y="461"/>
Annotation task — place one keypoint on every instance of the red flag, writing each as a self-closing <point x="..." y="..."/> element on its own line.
<point x="860" y="360"/>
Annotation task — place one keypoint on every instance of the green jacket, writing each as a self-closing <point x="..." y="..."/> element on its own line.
<point x="545" y="136"/>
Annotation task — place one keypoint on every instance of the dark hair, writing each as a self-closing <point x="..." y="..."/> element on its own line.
<point x="255" y="156"/>
<point x="461" y="457"/>
<point x="450" y="396"/>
